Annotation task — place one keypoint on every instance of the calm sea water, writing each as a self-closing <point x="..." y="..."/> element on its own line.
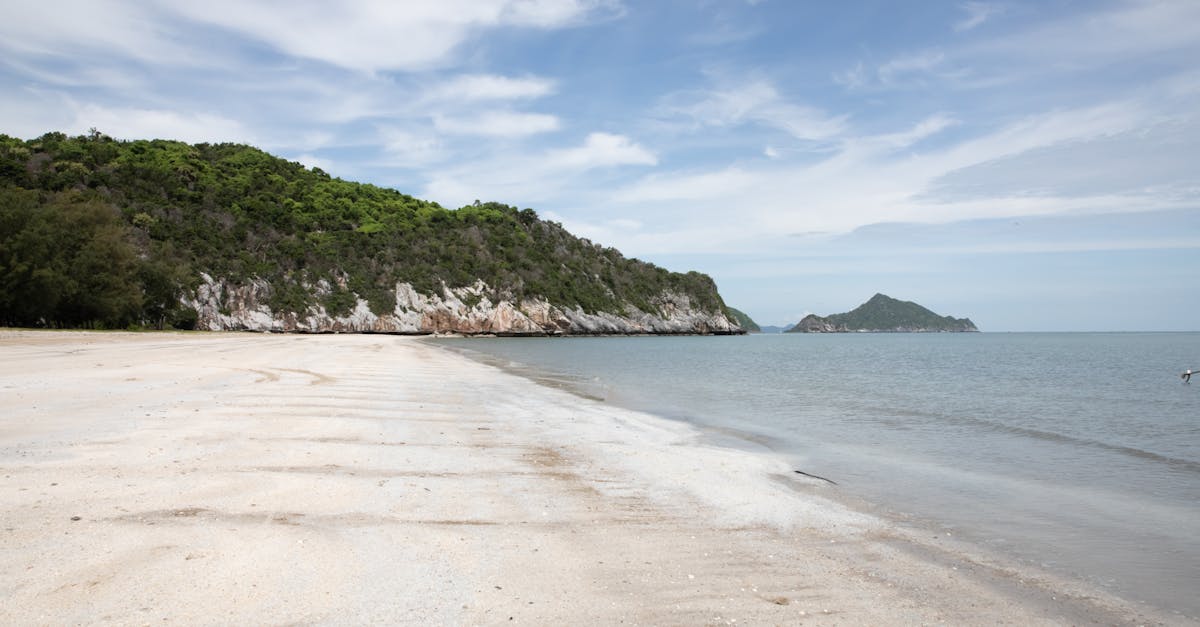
<point x="1079" y="453"/>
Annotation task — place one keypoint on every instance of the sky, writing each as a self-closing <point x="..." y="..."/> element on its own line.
<point x="1034" y="166"/>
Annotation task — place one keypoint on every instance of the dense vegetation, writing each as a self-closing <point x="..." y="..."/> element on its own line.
<point x="883" y="313"/>
<point x="96" y="232"/>
<point x="743" y="320"/>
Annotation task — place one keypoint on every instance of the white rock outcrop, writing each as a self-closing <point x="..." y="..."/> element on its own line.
<point x="222" y="306"/>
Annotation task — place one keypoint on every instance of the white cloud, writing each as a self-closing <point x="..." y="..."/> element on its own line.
<point x="977" y="13"/>
<point x="379" y="35"/>
<point x="100" y="75"/>
<point x="910" y="67"/>
<point x="497" y="124"/>
<point x="855" y="77"/>
<point x="1058" y="246"/>
<point x="367" y="36"/>
<point x="924" y="129"/>
<point x="64" y="28"/>
<point x="312" y="161"/>
<point x="1129" y="30"/>
<point x="1123" y="33"/>
<point x="599" y="150"/>
<point x="30" y="113"/>
<point x="1047" y="129"/>
<point x="879" y="178"/>
<point x="626" y="224"/>
<point x="601" y="231"/>
<point x="133" y="123"/>
<point x="557" y="13"/>
<point x="718" y="184"/>
<point x="313" y="140"/>
<point x="409" y="148"/>
<point x="536" y="178"/>
<point x="755" y="101"/>
<point x="484" y="87"/>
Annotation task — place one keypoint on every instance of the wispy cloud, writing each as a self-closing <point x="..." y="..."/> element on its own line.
<point x="554" y="173"/>
<point x="377" y="35"/>
<point x="853" y="78"/>
<point x="977" y="14"/>
<point x="407" y="148"/>
<point x="35" y="111"/>
<point x="600" y="150"/>
<point x="909" y="70"/>
<point x="312" y="161"/>
<point x="876" y="178"/>
<point x="719" y="185"/>
<point x="101" y="27"/>
<point x="489" y="87"/>
<point x="924" y="129"/>
<point x="1123" y="33"/>
<point x="907" y="67"/>
<point x="497" y="124"/>
<point x="134" y="123"/>
<point x="755" y="101"/>
<point x="1053" y="49"/>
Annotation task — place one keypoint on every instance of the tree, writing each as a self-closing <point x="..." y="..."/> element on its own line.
<point x="65" y="260"/>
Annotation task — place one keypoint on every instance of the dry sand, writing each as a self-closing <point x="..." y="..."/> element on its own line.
<point x="267" y="479"/>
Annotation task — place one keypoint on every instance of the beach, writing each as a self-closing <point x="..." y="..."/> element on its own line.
<point x="275" y="479"/>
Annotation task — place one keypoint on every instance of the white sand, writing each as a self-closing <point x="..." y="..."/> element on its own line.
<point x="266" y="479"/>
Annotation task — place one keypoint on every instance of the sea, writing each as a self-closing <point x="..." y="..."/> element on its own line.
<point x="1074" y="453"/>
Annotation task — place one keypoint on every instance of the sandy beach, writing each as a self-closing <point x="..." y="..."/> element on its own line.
<point x="279" y="479"/>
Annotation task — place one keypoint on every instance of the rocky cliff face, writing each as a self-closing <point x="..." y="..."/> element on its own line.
<point x="222" y="306"/>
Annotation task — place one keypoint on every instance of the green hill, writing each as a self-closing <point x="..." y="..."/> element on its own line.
<point x="96" y="232"/>
<point x="744" y="321"/>
<point x="883" y="314"/>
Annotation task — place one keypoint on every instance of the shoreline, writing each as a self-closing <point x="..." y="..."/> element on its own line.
<point x="352" y="478"/>
<point x="910" y="530"/>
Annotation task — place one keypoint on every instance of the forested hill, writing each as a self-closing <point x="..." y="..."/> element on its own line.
<point x="883" y="314"/>
<point x="743" y="320"/>
<point x="99" y="232"/>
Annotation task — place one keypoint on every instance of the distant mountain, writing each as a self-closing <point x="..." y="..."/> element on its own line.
<point x="883" y="314"/>
<point x="742" y="320"/>
<point x="774" y="329"/>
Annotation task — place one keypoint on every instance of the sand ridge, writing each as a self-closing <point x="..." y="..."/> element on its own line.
<point x="241" y="478"/>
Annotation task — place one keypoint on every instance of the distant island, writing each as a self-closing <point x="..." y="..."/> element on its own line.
<point x="101" y="233"/>
<point x="883" y="314"/>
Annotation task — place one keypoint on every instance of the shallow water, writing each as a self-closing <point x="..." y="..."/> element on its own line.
<point x="1079" y="453"/>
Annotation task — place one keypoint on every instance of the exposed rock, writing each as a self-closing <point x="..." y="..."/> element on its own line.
<point x="813" y="323"/>
<point x="222" y="306"/>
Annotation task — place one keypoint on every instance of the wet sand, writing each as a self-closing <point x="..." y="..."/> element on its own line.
<point x="268" y="479"/>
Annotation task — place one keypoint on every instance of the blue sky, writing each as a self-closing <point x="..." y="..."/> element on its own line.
<point x="1032" y="165"/>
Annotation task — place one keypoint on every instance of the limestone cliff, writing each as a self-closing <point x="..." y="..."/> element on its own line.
<point x="222" y="306"/>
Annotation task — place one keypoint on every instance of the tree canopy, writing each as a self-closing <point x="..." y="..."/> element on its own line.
<point x="100" y="232"/>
